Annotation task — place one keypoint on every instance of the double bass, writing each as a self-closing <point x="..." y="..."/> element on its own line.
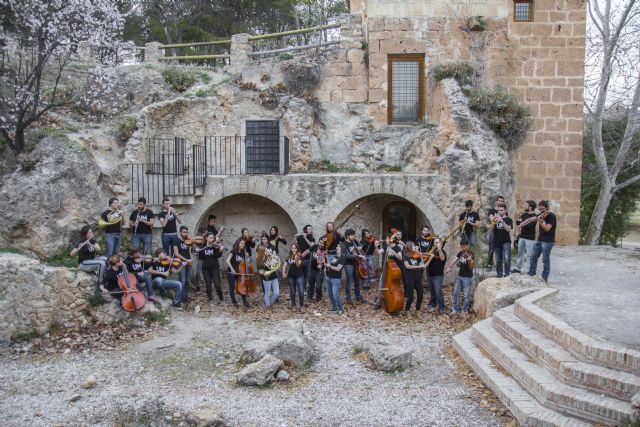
<point x="132" y="298"/>
<point x="392" y="289"/>
<point x="246" y="284"/>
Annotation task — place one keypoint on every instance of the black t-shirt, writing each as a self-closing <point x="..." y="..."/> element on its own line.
<point x="159" y="268"/>
<point x="248" y="245"/>
<point x="423" y="244"/>
<point x="275" y="242"/>
<point x="500" y="235"/>
<point x="335" y="261"/>
<point x="349" y="251"/>
<point x="236" y="258"/>
<point x="135" y="267"/>
<point x="269" y="250"/>
<point x="314" y="257"/>
<point x="529" y="230"/>
<point x="87" y="251"/>
<point x="369" y="248"/>
<point x="171" y="226"/>
<point x="209" y="257"/>
<point x="112" y="228"/>
<point x="436" y="266"/>
<point x="412" y="272"/>
<point x="397" y="249"/>
<point x="212" y="229"/>
<point x="183" y="249"/>
<point x="293" y="270"/>
<point x="471" y="218"/>
<point x="111" y="278"/>
<point x="146" y="215"/>
<point x="302" y="243"/>
<point x="548" y="236"/>
<point x="337" y="239"/>
<point x="465" y="271"/>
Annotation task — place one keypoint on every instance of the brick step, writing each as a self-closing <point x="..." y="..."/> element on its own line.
<point x="523" y="406"/>
<point x="582" y="346"/>
<point x="619" y="384"/>
<point x="544" y="386"/>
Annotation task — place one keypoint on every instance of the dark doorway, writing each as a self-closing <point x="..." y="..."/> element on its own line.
<point x="262" y="147"/>
<point x="400" y="215"/>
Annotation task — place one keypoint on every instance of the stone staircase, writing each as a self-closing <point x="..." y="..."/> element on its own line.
<point x="549" y="374"/>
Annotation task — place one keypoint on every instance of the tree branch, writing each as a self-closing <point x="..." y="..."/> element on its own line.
<point x="626" y="183"/>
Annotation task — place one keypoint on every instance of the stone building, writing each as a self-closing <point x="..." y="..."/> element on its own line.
<point x="364" y="129"/>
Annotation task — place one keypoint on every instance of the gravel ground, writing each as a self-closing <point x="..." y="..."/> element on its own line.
<point x="191" y="362"/>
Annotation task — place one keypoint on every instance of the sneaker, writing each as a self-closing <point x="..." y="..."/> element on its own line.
<point x="442" y="312"/>
<point x="515" y="270"/>
<point x="154" y="299"/>
<point x="377" y="306"/>
<point x="430" y="309"/>
<point x="351" y="303"/>
<point x="489" y="267"/>
<point x="340" y="312"/>
<point x="454" y="313"/>
<point x="235" y="305"/>
<point x="211" y="304"/>
<point x="333" y="310"/>
<point x="417" y="313"/>
<point x="177" y="305"/>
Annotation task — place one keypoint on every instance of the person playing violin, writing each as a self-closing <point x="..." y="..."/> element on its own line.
<point x="275" y="238"/>
<point x="333" y="237"/>
<point x="233" y="269"/>
<point x="249" y="244"/>
<point x="160" y="270"/>
<point x="394" y="252"/>
<point x="138" y="264"/>
<point x="182" y="252"/>
<point x="464" y="279"/>
<point x="210" y="267"/>
<point x="305" y="241"/>
<point x="472" y="221"/>
<point x="546" y="237"/>
<point x="350" y="254"/>
<point x="213" y="227"/>
<point x="435" y="276"/>
<point x="199" y="242"/>
<point x="490" y="233"/>
<point x="319" y="260"/>
<point x="270" y="282"/>
<point x="113" y="231"/>
<point x="425" y="241"/>
<point x="413" y="268"/>
<point x="292" y="271"/>
<point x="369" y="245"/>
<point x="333" y="270"/>
<point x="86" y="251"/>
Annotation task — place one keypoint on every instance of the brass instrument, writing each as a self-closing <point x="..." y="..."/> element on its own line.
<point x="113" y="217"/>
<point x="272" y="264"/>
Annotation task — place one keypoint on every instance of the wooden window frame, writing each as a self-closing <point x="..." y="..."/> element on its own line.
<point x="531" y="10"/>
<point x="421" y="86"/>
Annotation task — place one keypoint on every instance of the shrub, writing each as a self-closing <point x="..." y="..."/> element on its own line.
<point x="179" y="78"/>
<point x="63" y="259"/>
<point x="502" y="112"/>
<point x="300" y="78"/>
<point x="285" y="56"/>
<point x="126" y="128"/>
<point x="461" y="71"/>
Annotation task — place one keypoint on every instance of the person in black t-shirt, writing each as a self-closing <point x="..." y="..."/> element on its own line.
<point x="292" y="271"/>
<point x="413" y="268"/>
<point x="236" y="256"/>
<point x="435" y="276"/>
<point x="115" y="270"/>
<point x="159" y="272"/>
<point x="249" y="244"/>
<point x="350" y="247"/>
<point x="501" y="226"/>
<point x="141" y="223"/>
<point x="213" y="227"/>
<point x="472" y="221"/>
<point x="526" y="229"/>
<point x="169" y="219"/>
<point x="425" y="240"/>
<point x="270" y="281"/>
<point x="138" y="264"/>
<point x="369" y="246"/>
<point x="182" y="252"/>
<point x="466" y="258"/>
<point x="114" y="218"/>
<point x="332" y="236"/>
<point x="209" y="255"/>
<point x="86" y="251"/>
<point x="319" y="260"/>
<point x="492" y="212"/>
<point x="275" y="238"/>
<point x="333" y="270"/>
<point x="305" y="241"/>
<point x="195" y="278"/>
<point x="394" y="252"/>
<point x="547" y="224"/>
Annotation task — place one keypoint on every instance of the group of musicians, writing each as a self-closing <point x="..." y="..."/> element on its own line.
<point x="309" y="266"/>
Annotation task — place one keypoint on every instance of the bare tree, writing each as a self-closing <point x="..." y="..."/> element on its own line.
<point x="613" y="58"/>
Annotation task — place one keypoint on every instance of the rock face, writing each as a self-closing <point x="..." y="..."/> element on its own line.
<point x="207" y="416"/>
<point x="288" y="344"/>
<point x="495" y="293"/>
<point x="260" y="372"/>
<point x="65" y="185"/>
<point x="387" y="357"/>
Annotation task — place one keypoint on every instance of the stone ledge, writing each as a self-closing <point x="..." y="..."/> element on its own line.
<point x="544" y="386"/>
<point x="522" y="405"/>
<point x="582" y="346"/>
<point x="617" y="384"/>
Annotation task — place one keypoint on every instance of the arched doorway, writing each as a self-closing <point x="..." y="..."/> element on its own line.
<point x="402" y="216"/>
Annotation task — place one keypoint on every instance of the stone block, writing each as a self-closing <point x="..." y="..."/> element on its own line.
<point x="337" y="69"/>
<point x="557" y="16"/>
<point x="553" y="42"/>
<point x="572" y="110"/>
<point x="377" y="95"/>
<point x="521" y="28"/>
<point x="354" y="96"/>
<point x="578" y="95"/>
<point x="573" y="168"/>
<point x="336" y="96"/>
<point x="542" y="30"/>
<point x="562" y="29"/>
<point x="353" y="83"/>
<point x="561" y="82"/>
<point x="549" y="110"/>
<point x="538" y="95"/>
<point x="575" y="125"/>
<point x="546" y="5"/>
<point x="576" y="41"/>
<point x="546" y="69"/>
<point x="561" y="95"/>
<point x="375" y="24"/>
<point x="579" y="30"/>
<point x="355" y="56"/>
<point x="555" y="125"/>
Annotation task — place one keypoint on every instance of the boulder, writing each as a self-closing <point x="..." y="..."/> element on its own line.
<point x="289" y="344"/>
<point x="260" y="372"/>
<point x="90" y="382"/>
<point x="206" y="416"/>
<point x="494" y="293"/>
<point x="387" y="357"/>
<point x="282" y="375"/>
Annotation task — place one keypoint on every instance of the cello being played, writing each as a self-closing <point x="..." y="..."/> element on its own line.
<point x="391" y="290"/>
<point x="131" y="298"/>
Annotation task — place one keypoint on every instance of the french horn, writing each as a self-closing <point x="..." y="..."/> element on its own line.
<point x="113" y="217"/>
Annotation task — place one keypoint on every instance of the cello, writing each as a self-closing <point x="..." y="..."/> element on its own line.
<point x="132" y="299"/>
<point x="363" y="268"/>
<point x="392" y="289"/>
<point x="246" y="284"/>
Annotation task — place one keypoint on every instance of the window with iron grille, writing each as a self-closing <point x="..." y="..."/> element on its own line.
<point x="523" y="10"/>
<point x="263" y="147"/>
<point x="406" y="89"/>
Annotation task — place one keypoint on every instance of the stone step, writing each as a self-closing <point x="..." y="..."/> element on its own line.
<point x="524" y="407"/>
<point x="544" y="386"/>
<point x="619" y="384"/>
<point x="582" y="346"/>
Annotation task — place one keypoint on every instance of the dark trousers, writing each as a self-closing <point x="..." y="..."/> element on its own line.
<point x="491" y="248"/>
<point x="209" y="276"/>
<point x="296" y="284"/>
<point x="413" y="282"/>
<point x="231" y="278"/>
<point x="315" y="284"/>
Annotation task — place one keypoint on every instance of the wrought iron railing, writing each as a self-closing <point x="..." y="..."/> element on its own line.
<point x="247" y="155"/>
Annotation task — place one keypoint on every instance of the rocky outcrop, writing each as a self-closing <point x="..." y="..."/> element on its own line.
<point x="288" y="344"/>
<point x="206" y="416"/>
<point x="495" y="293"/>
<point x="261" y="372"/>
<point x="387" y="357"/>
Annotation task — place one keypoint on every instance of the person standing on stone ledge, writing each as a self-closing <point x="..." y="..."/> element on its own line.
<point x="213" y="227"/>
<point x="501" y="227"/>
<point x="546" y="238"/>
<point x="492" y="212"/>
<point x="114" y="220"/>
<point x="141" y="223"/>
<point x="86" y="251"/>
<point x="169" y="219"/>
<point x="182" y="251"/>
<point x="275" y="238"/>
<point x="526" y="225"/>
<point x="472" y="219"/>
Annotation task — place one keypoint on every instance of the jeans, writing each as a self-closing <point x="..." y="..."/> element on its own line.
<point x="369" y="280"/>
<point x="195" y="278"/>
<point x="466" y="283"/>
<point x="524" y="246"/>
<point x="435" y="292"/>
<point x="333" y="289"/>
<point x="112" y="243"/>
<point x="167" y="242"/>
<point x="352" y="277"/>
<point x="503" y="252"/>
<point x="212" y="275"/>
<point x="295" y="283"/>
<point x="184" y="274"/>
<point x="315" y="284"/>
<point x="98" y="264"/>
<point x="543" y="248"/>
<point x="163" y="283"/>
<point x="231" y="278"/>
<point x="143" y="242"/>
<point x="271" y="291"/>
<point x="145" y="278"/>
<point x="471" y="237"/>
<point x="413" y="281"/>
<point x="491" y="248"/>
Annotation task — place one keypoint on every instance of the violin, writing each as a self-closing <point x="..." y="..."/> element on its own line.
<point x="429" y="236"/>
<point x="195" y="240"/>
<point x="175" y="263"/>
<point x="469" y="258"/>
<point x="543" y="215"/>
<point x="392" y="291"/>
<point x="132" y="299"/>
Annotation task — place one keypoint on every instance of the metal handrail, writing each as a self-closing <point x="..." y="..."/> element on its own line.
<point x="210" y="43"/>
<point x="293" y="32"/>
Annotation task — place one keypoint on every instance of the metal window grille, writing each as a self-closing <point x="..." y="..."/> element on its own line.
<point x="263" y="147"/>
<point x="406" y="75"/>
<point x="523" y="11"/>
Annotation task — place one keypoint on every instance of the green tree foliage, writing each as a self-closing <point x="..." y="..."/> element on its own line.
<point x="616" y="224"/>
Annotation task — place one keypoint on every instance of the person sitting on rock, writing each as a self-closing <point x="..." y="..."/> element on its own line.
<point x="138" y="265"/>
<point x="86" y="251"/>
<point x="159" y="271"/>
<point x="115" y="270"/>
